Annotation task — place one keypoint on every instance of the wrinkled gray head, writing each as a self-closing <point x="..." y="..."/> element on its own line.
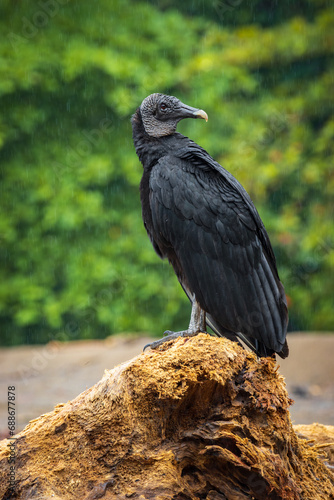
<point x="161" y="114"/>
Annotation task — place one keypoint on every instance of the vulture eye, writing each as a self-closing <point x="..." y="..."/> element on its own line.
<point x="163" y="106"/>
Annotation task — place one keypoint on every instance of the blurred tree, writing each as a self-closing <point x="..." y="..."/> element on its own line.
<point x="76" y="261"/>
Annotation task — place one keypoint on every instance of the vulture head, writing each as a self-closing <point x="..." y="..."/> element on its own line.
<point x="161" y="113"/>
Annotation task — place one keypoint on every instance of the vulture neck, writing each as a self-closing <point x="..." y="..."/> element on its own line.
<point x="148" y="148"/>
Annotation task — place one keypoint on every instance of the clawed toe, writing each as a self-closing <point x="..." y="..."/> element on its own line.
<point x="168" y="332"/>
<point x="169" y="335"/>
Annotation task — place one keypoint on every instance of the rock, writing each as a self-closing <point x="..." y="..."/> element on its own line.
<point x="200" y="418"/>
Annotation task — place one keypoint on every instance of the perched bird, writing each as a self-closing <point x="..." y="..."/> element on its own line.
<point x="202" y="220"/>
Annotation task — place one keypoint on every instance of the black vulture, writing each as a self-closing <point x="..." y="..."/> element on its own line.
<point x="202" y="220"/>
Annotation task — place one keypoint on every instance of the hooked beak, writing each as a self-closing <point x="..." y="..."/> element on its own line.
<point x="200" y="113"/>
<point x="189" y="112"/>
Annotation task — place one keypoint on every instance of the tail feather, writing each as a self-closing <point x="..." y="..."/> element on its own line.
<point x="253" y="344"/>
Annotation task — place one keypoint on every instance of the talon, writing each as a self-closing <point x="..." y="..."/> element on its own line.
<point x="168" y="332"/>
<point x="170" y="335"/>
<point x="146" y="346"/>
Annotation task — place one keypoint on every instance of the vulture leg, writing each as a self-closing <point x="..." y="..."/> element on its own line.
<point x="196" y="325"/>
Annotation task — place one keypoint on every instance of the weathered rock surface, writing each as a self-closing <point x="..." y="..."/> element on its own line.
<point x="198" y="419"/>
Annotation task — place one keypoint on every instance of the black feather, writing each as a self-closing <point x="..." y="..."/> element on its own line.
<point x="200" y="217"/>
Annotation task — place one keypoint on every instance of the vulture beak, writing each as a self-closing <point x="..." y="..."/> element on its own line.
<point x="199" y="113"/>
<point x="189" y="112"/>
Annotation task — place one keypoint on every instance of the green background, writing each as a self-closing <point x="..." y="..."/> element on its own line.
<point x="75" y="258"/>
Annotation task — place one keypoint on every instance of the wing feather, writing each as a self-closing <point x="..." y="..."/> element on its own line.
<point x="206" y="225"/>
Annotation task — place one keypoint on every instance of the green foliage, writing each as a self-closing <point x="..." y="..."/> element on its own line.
<point x="76" y="261"/>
